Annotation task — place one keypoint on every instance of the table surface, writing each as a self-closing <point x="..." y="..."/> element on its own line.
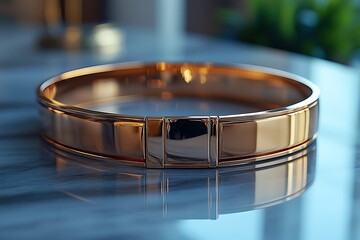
<point x="51" y="196"/>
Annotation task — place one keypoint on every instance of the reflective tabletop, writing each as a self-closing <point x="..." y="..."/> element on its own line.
<point x="46" y="193"/>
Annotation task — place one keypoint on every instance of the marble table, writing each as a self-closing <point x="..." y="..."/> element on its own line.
<point x="49" y="194"/>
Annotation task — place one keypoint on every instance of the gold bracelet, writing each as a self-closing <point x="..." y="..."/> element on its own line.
<point x="284" y="118"/>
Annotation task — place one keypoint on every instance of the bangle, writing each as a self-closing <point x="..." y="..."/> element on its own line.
<point x="277" y="115"/>
<point x="164" y="192"/>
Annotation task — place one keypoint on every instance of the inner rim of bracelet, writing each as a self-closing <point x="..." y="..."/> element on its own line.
<point x="251" y="90"/>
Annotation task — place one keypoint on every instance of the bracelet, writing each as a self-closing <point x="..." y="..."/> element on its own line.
<point x="278" y="114"/>
<point x="164" y="192"/>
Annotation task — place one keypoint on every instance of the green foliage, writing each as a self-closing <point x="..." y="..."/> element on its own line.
<point x="328" y="29"/>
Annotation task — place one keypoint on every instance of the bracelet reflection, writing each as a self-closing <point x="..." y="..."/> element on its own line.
<point x="187" y="193"/>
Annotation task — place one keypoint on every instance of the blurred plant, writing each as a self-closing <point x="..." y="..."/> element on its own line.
<point x="328" y="29"/>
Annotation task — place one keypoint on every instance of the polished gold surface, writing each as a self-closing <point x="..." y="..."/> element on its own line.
<point x="218" y="191"/>
<point x="284" y="121"/>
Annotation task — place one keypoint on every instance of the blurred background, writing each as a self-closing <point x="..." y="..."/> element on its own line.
<point x="328" y="29"/>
